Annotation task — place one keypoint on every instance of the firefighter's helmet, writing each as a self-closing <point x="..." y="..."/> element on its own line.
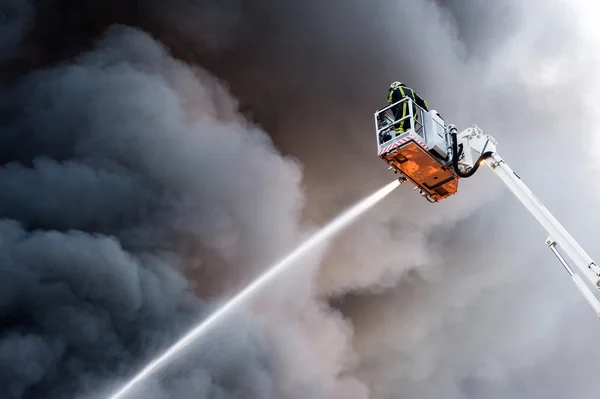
<point x="395" y="84"/>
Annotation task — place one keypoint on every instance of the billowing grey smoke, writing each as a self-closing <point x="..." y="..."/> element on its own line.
<point x="125" y="171"/>
<point x="125" y="162"/>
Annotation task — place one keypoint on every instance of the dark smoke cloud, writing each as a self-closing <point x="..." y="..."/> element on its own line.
<point x="16" y="19"/>
<point x="121" y="161"/>
<point x="76" y="306"/>
<point x="124" y="171"/>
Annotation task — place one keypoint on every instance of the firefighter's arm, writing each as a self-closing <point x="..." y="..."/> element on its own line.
<point x="422" y="103"/>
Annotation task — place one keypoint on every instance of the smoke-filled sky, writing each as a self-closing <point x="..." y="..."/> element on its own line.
<point x="156" y="155"/>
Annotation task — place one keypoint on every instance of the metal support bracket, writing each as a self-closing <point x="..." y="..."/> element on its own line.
<point x="583" y="288"/>
<point x="551" y="243"/>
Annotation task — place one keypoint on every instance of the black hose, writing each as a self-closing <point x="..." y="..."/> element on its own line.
<point x="457" y="153"/>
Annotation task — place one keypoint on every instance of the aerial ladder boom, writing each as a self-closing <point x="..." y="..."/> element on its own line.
<point x="484" y="147"/>
<point x="433" y="157"/>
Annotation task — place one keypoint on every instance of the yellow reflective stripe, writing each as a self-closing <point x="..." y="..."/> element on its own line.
<point x="411" y="93"/>
<point x="404" y="104"/>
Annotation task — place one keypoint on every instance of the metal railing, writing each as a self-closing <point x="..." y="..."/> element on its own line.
<point x="385" y="123"/>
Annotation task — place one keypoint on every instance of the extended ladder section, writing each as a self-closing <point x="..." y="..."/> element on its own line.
<point x="558" y="235"/>
<point x="415" y="146"/>
<point x="478" y="147"/>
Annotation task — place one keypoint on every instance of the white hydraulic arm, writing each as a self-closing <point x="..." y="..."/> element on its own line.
<point x="478" y="148"/>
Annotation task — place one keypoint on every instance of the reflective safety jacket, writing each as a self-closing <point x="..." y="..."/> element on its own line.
<point x="399" y="93"/>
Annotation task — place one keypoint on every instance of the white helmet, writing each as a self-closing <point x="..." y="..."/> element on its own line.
<point x="395" y="84"/>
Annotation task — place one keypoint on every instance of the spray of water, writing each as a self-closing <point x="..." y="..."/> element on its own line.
<point x="325" y="233"/>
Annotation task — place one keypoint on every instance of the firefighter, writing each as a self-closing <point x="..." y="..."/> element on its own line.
<point x="398" y="91"/>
